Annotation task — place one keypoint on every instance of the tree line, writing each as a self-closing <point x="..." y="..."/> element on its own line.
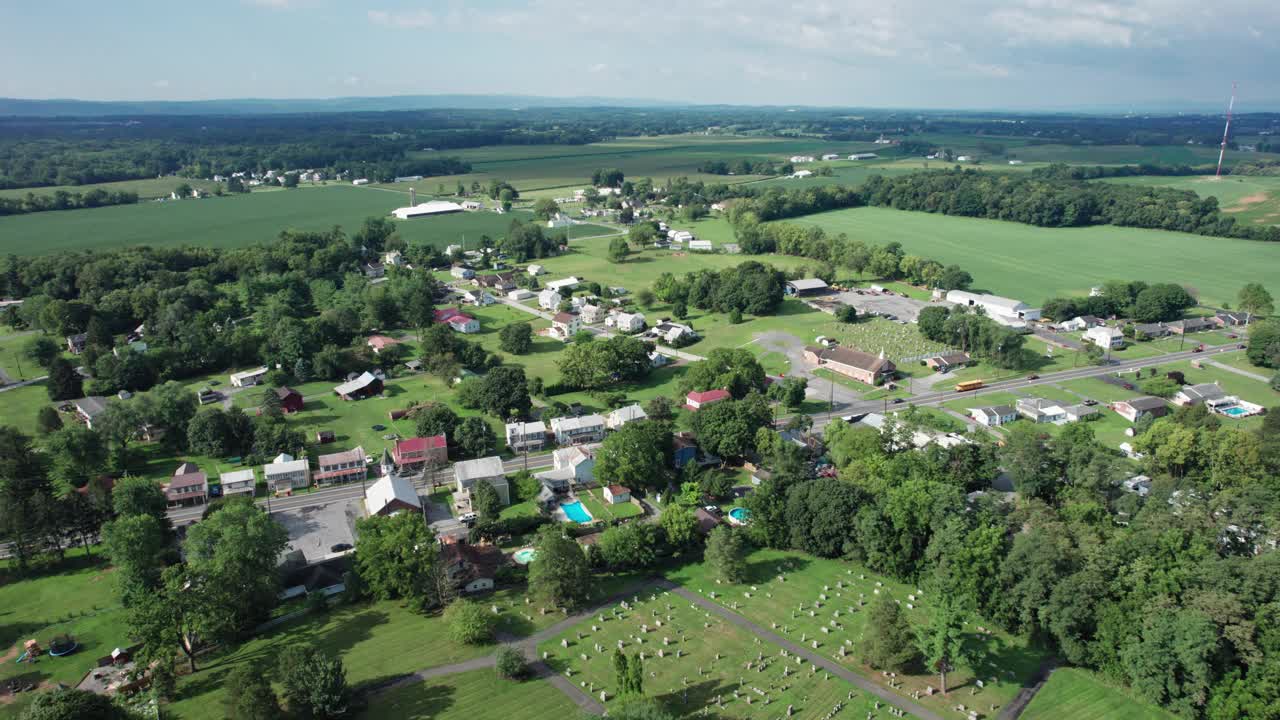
<point x="65" y="200"/>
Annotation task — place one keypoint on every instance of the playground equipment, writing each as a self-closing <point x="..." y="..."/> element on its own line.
<point x="60" y="646"/>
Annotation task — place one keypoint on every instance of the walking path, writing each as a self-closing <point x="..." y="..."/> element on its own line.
<point x="24" y="383"/>
<point x="1025" y="695"/>
<point x="1238" y="371"/>
<point x="834" y="668"/>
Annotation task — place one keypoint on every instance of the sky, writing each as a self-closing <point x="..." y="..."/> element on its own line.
<point x="1013" y="54"/>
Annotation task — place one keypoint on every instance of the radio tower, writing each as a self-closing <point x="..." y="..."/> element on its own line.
<point x="1226" y="131"/>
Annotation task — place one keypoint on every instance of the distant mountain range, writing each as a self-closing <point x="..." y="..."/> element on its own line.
<point x="257" y="106"/>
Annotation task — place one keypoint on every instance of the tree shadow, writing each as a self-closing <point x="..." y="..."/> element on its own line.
<point x="765" y="570"/>
<point x="692" y="699"/>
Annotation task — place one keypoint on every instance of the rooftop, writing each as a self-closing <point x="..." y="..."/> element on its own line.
<point x="485" y="467"/>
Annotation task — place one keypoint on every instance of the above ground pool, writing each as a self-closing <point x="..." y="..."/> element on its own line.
<point x="575" y="512"/>
<point x="740" y="514"/>
<point x="524" y="556"/>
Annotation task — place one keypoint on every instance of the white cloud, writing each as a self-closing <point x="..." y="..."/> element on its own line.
<point x="160" y="84"/>
<point x="598" y="68"/>
<point x="406" y="20"/>
<point x="351" y="81"/>
<point x="994" y="71"/>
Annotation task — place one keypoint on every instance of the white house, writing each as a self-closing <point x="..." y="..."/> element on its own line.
<point x="549" y="299"/>
<point x="535" y="270"/>
<point x="393" y="259"/>
<point x="453" y="250"/>
<point x="1040" y="410"/>
<point x="993" y="416"/>
<point x="578" y="430"/>
<point x="487" y="469"/>
<point x="1105" y="337"/>
<point x="625" y="322"/>
<point x="560" y="221"/>
<point x="520" y="294"/>
<point x="479" y="298"/>
<point x="472" y="205"/>
<point x="680" y="236"/>
<point x="565" y="325"/>
<point x="700" y="245"/>
<point x="570" y="466"/>
<point x="1005" y="311"/>
<point x="523" y="436"/>
<point x="614" y="494"/>
<point x="1079" y="322"/>
<point x="568" y="283"/>
<point x="1138" y="484"/>
<point x="1197" y="394"/>
<point x="624" y="415"/>
<point x="462" y="273"/>
<point x="238" y="482"/>
<point x="248" y="378"/>
<point x="285" y="473"/>
<point x="591" y="313"/>
<point x="360" y="181"/>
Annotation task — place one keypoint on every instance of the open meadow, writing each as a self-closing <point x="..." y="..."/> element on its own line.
<point x="1253" y="200"/>
<point x="474" y="695"/>
<point x="1032" y="263"/>
<point x="1081" y="695"/>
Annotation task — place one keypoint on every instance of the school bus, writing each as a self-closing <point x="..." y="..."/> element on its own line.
<point x="968" y="385"/>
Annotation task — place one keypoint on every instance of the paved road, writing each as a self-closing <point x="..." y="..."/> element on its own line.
<point x="1054" y="338"/>
<point x="827" y="664"/>
<point x="24" y="383"/>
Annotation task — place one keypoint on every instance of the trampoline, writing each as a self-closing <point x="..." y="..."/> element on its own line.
<point x="63" y="645"/>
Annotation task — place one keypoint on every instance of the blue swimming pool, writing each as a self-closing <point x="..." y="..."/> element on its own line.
<point x="575" y="512"/>
<point x="742" y="515"/>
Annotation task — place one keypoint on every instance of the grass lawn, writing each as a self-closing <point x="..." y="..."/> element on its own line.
<point x="78" y="597"/>
<point x="594" y="501"/>
<point x="981" y="399"/>
<point x="12" y="361"/>
<point x="705" y="642"/>
<point x="376" y="641"/>
<point x="1081" y="695"/>
<point x="475" y="695"/>
<point x="1241" y="360"/>
<point x="19" y="406"/>
<point x="788" y="604"/>
<point x="1033" y="264"/>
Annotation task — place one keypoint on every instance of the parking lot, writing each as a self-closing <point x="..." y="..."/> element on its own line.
<point x="314" y="529"/>
<point x="868" y="303"/>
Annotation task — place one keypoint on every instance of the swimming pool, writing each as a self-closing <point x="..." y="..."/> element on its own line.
<point x="1234" y="411"/>
<point x="742" y="515"/>
<point x="524" y="556"/>
<point x="575" y="512"/>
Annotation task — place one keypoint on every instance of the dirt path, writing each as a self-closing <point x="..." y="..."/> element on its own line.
<point x="1248" y="201"/>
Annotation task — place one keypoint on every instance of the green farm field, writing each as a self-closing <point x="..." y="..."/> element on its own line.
<point x="1033" y="264"/>
<point x="242" y="220"/>
<point x="146" y="189"/>
<point x="1080" y="695"/>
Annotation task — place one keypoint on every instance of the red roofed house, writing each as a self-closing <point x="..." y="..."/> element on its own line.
<point x="187" y="489"/>
<point x="697" y="400"/>
<point x="380" y="342"/>
<point x="413" y="454"/>
<point x="565" y="325"/>
<point x="614" y="494"/>
<point x="290" y="399"/>
<point x="458" y="320"/>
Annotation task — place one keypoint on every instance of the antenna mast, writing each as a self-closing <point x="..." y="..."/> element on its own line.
<point x="1226" y="131"/>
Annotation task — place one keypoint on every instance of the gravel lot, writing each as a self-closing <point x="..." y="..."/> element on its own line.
<point x="314" y="529"/>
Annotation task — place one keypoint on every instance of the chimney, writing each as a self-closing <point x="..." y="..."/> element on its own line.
<point x="413" y="197"/>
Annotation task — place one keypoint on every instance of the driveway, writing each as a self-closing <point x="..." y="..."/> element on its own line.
<point x="820" y="389"/>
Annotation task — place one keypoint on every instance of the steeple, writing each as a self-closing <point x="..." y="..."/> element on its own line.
<point x="385" y="465"/>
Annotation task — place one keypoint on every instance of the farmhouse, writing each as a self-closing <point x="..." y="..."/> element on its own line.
<point x="1197" y="394"/>
<point x="591" y="313"/>
<point x="248" y="378"/>
<point x="1137" y="408"/>
<point x="565" y="325"/>
<point x="578" y="430"/>
<point x="363" y="386"/>
<point x="625" y="322"/>
<point x="237" y="482"/>
<point x="487" y="469"/>
<point x="343" y="467"/>
<point x="946" y="362"/>
<point x="375" y="270"/>
<point x="88" y="408"/>
<point x="535" y="270"/>
<point x="393" y="259"/>
<point x="809" y="286"/>
<point x="501" y="282"/>
<point x="695" y="401"/>
<point x="670" y="332"/>
<point x="994" y="415"/>
<point x="431" y="207"/>
<point x="1006" y="311"/>
<point x="391" y="494"/>
<point x="190" y="488"/>
<point x="680" y="236"/>
<point x="861" y="366"/>
<point x="549" y="299"/>
<point x="413" y="454"/>
<point x="522" y="436"/>
<point x="624" y="415"/>
<point x="285" y="473"/>
<point x="1105" y="337"/>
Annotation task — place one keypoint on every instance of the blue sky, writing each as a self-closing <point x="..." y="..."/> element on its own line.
<point x="874" y="53"/>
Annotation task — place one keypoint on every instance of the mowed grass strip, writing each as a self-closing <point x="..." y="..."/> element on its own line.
<point x="474" y="695"/>
<point x="1032" y="263"/>
<point x="1080" y="695"/>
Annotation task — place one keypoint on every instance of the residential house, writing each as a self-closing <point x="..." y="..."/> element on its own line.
<point x="671" y="332"/>
<point x="286" y="473"/>
<point x="1226" y="318"/>
<point x="684" y="449"/>
<point x="479" y="298"/>
<point x="697" y="400"/>
<point x="657" y="360"/>
<point x="238" y="482"/>
<point x="994" y="415"/>
<point x="458" y="320"/>
<point x="624" y="415"/>
<point x="343" y="467"/>
<point x="575" y="465"/>
<point x="364" y="385"/>
<point x="375" y="270"/>
<point x="680" y="236"/>
<point x="1079" y="323"/>
<point x="578" y="430"/>
<point x="462" y="272"/>
<point x="1107" y="338"/>
<point x="615" y="494"/>
<point x="549" y="299"/>
<point x="76" y="343"/>
<point x="809" y="286"/>
<point x="380" y="343"/>
<point x="569" y="283"/>
<point x="1190" y="325"/>
<point x="591" y="314"/>
<point x="801" y="174"/>
<point x="187" y="489"/>
<point x="413" y="454"/>
<point x="393" y="259"/>
<point x="1040" y="410"/>
<point x="502" y="282"/>
<point x="290" y="400"/>
<point x="1006" y="311"/>
<point x="522" y="436"/>
<point x="1197" y="394"/>
<point x="535" y="270"/>
<point x="1076" y="413"/>
<point x="471" y="568"/>
<point x="487" y="469"/>
<point x="707" y="520"/>
<point x="1143" y="331"/>
<point x="391" y="494"/>
<point x="1138" y="484"/>
<point x="520" y="295"/>
<point x="249" y="378"/>
<point x="1137" y="408"/>
<point x="625" y="322"/>
<point x="861" y="366"/>
<point x="700" y="245"/>
<point x="88" y="408"/>
<point x="946" y="362"/>
<point x="565" y="325"/>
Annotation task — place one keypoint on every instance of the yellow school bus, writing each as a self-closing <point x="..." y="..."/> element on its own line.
<point x="968" y="385"/>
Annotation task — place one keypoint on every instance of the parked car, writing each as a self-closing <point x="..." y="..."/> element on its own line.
<point x="1091" y="402"/>
<point x="340" y="547"/>
<point x="1033" y="376"/>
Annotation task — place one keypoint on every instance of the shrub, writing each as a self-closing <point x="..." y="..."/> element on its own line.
<point x="469" y="623"/>
<point x="510" y="664"/>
